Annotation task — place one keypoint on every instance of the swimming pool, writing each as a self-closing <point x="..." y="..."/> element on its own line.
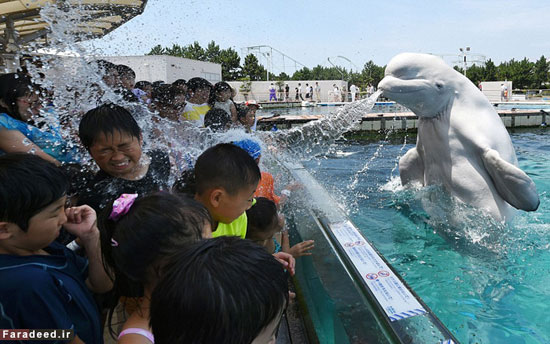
<point x="325" y="110"/>
<point x="485" y="288"/>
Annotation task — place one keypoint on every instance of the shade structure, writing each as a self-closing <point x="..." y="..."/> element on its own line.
<point x="21" y="23"/>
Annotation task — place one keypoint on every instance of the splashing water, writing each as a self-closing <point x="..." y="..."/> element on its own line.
<point x="313" y="138"/>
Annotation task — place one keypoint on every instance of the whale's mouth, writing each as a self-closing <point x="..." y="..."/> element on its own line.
<point x="393" y="85"/>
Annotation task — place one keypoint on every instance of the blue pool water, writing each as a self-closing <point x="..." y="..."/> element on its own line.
<point x="487" y="283"/>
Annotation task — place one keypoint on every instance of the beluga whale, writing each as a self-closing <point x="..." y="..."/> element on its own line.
<point x="462" y="144"/>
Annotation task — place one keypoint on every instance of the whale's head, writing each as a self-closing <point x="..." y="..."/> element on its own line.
<point x="423" y="83"/>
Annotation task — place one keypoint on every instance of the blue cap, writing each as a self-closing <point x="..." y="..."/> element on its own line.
<point x="251" y="147"/>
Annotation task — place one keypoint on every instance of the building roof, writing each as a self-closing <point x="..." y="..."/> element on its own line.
<point x="20" y="21"/>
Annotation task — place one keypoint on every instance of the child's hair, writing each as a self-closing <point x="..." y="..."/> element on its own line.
<point x="143" y="84"/>
<point x="13" y="86"/>
<point x="124" y="70"/>
<point x="106" y="119"/>
<point x="225" y="165"/>
<point x="216" y="119"/>
<point x="105" y="67"/>
<point x="164" y="94"/>
<point x="28" y="184"/>
<point x="218" y="87"/>
<point x="206" y="288"/>
<point x="262" y="217"/>
<point x="136" y="245"/>
<point x="197" y="83"/>
<point x="179" y="83"/>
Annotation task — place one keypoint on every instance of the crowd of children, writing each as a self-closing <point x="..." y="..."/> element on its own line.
<point x="204" y="260"/>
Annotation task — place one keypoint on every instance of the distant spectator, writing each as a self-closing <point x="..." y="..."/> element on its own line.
<point x="300" y="91"/>
<point x="197" y="105"/>
<point x="317" y="92"/>
<point x="307" y="92"/>
<point x="272" y="93"/>
<point x="287" y="92"/>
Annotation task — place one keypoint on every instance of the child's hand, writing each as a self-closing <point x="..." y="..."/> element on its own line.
<point x="287" y="260"/>
<point x="81" y="221"/>
<point x="301" y="249"/>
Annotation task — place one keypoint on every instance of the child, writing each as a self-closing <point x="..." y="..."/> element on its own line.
<point x="197" y="106"/>
<point x="222" y="290"/>
<point x="138" y="236"/>
<point x="44" y="284"/>
<point x="220" y="98"/>
<point x="246" y="115"/>
<point x="225" y="179"/>
<point x="264" y="223"/>
<point x="113" y="139"/>
<point x="217" y="120"/>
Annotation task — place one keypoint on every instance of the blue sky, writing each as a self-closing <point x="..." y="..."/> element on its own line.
<point x="311" y="31"/>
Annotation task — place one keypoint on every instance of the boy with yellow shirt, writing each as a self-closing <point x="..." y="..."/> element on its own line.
<point x="197" y="105"/>
<point x="226" y="178"/>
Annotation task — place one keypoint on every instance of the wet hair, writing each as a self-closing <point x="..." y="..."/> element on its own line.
<point x="261" y="217"/>
<point x="105" y="67"/>
<point x="217" y="119"/>
<point x="143" y="84"/>
<point x="157" y="83"/>
<point x="106" y="119"/>
<point x="164" y="94"/>
<point x="28" y="184"/>
<point x="197" y="83"/>
<point x="13" y="86"/>
<point x="206" y="288"/>
<point x="228" y="166"/>
<point x="124" y="70"/>
<point x="218" y="87"/>
<point x="180" y="82"/>
<point x="137" y="245"/>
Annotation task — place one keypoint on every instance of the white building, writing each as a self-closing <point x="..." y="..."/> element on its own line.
<point x="168" y="68"/>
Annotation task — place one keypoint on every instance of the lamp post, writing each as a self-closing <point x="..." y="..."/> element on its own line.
<point x="464" y="52"/>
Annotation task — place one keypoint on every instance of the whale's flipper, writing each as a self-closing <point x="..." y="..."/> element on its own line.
<point x="411" y="168"/>
<point x="513" y="185"/>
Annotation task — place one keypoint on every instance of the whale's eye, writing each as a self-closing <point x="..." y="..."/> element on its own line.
<point x="439" y="85"/>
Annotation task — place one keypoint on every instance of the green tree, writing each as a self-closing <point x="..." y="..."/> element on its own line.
<point x="490" y="71"/>
<point x="212" y="52"/>
<point x="253" y="69"/>
<point x="372" y="73"/>
<point x="302" y="74"/>
<point x="194" y="51"/>
<point x="157" y="50"/>
<point x="541" y="73"/>
<point x="231" y="64"/>
<point x="175" y="50"/>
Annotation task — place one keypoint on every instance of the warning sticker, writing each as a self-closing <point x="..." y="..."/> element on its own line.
<point x="390" y="292"/>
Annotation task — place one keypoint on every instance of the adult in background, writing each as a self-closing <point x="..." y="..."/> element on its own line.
<point x="317" y="92"/>
<point x="353" y="90"/>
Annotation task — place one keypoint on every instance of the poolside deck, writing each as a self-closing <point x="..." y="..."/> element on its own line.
<point x="406" y="120"/>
